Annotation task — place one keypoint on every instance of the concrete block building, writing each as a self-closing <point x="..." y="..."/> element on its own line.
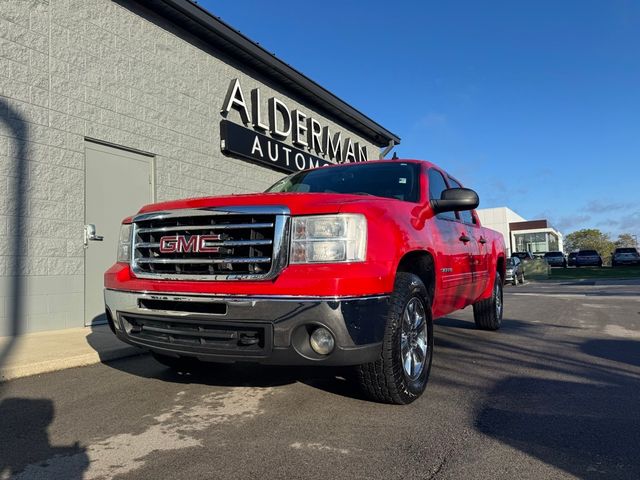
<point x="108" y="105"/>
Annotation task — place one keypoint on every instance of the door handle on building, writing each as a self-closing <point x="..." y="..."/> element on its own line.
<point x="464" y="238"/>
<point x="482" y="240"/>
<point x="90" y="234"/>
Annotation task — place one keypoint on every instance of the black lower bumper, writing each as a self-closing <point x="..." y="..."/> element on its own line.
<point x="263" y="330"/>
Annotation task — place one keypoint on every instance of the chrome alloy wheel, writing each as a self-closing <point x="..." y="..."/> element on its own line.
<point x="413" y="341"/>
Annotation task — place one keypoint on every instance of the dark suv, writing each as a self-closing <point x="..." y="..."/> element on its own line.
<point x="588" y="258"/>
<point x="625" y="256"/>
<point x="555" y="259"/>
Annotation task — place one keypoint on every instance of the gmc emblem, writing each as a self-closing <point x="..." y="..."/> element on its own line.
<point x="184" y="244"/>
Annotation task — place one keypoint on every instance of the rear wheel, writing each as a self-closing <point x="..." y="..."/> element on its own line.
<point x="488" y="313"/>
<point x="401" y="372"/>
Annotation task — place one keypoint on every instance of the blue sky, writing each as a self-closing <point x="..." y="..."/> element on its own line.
<point x="535" y="104"/>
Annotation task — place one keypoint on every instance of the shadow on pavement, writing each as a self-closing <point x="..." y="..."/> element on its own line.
<point x="241" y="374"/>
<point x="25" y="441"/>
<point x="624" y="351"/>
<point x="589" y="430"/>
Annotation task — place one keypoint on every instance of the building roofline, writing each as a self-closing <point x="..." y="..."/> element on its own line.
<point x="213" y="30"/>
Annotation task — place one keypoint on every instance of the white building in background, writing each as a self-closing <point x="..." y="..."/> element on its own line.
<point x="521" y="235"/>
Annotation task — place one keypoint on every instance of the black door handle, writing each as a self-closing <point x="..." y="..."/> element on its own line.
<point x="482" y="240"/>
<point x="464" y="238"/>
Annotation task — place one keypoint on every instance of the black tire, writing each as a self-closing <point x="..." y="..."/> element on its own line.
<point x="386" y="380"/>
<point x="488" y="313"/>
<point x="179" y="364"/>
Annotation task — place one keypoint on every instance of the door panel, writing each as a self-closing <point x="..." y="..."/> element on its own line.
<point x="479" y="261"/>
<point x="117" y="184"/>
<point x="454" y="265"/>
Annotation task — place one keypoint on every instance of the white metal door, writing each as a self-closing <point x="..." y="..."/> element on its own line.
<point x="117" y="183"/>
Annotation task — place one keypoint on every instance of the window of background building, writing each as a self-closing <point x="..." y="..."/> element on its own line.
<point x="436" y="186"/>
<point x="535" y="242"/>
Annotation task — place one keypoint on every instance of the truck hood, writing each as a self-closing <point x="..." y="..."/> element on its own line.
<point x="298" y="203"/>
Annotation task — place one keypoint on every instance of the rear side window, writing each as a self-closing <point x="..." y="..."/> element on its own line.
<point x="465" y="215"/>
<point x="436" y="186"/>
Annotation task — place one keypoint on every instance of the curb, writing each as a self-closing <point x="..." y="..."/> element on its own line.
<point x="26" y="370"/>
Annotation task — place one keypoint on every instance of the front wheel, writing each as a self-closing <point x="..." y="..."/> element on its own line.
<point x="488" y="313"/>
<point x="401" y="372"/>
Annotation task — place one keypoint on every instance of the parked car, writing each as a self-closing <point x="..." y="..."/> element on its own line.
<point x="571" y="259"/>
<point x="555" y="259"/>
<point x="523" y="255"/>
<point x="625" y="256"/>
<point x="588" y="258"/>
<point x="515" y="271"/>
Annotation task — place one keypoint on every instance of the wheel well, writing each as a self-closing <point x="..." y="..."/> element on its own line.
<point x="420" y="263"/>
<point x="500" y="267"/>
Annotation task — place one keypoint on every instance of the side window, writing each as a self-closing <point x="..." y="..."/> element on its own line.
<point x="436" y="186"/>
<point x="465" y="215"/>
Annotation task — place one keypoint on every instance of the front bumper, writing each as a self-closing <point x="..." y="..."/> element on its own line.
<point x="262" y="329"/>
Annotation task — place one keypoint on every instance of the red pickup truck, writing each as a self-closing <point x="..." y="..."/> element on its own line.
<point x="343" y="265"/>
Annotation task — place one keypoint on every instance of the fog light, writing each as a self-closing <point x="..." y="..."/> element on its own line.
<point x="322" y="341"/>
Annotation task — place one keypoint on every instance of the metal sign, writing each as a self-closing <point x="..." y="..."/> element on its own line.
<point x="259" y="148"/>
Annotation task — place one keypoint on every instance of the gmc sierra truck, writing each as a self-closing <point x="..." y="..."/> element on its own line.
<point x="344" y="265"/>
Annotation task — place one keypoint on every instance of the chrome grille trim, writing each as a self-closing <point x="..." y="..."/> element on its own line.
<point x="279" y="243"/>
<point x="212" y="261"/>
<point x="228" y="243"/>
<point x="205" y="227"/>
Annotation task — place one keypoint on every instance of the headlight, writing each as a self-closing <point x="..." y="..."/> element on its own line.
<point x="124" y="244"/>
<point x="329" y="239"/>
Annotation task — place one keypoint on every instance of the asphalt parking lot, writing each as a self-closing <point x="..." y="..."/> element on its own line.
<point x="554" y="394"/>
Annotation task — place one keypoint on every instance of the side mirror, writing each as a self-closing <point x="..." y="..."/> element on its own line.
<point x="453" y="199"/>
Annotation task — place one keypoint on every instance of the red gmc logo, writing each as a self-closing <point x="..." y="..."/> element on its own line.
<point x="183" y="244"/>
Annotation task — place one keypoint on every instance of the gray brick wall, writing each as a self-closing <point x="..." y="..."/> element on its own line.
<point x="77" y="69"/>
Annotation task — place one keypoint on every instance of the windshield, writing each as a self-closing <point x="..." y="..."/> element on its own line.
<point x="389" y="180"/>
<point x="553" y="254"/>
<point x="626" y="250"/>
<point x="587" y="252"/>
<point x="510" y="262"/>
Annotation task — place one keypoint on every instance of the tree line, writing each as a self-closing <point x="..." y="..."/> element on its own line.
<point x="594" y="239"/>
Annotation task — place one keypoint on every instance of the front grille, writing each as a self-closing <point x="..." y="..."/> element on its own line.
<point x="199" y="336"/>
<point x="210" y="244"/>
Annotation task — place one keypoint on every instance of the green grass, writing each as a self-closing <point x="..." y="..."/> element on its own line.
<point x="595" y="273"/>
